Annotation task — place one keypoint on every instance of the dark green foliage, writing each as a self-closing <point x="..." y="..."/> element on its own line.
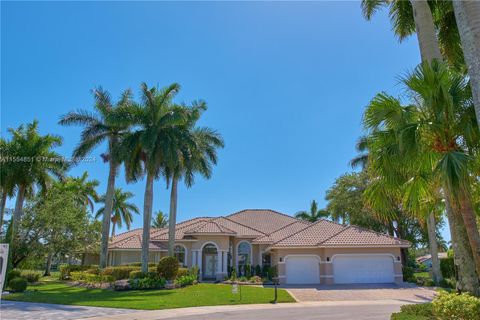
<point x="31" y="276"/>
<point x="66" y="269"/>
<point x="247" y="270"/>
<point x="15" y="273"/>
<point x="258" y="271"/>
<point x="86" y="277"/>
<point x="146" y="283"/>
<point x="18" y="284"/>
<point x="168" y="268"/>
<point x="448" y="283"/>
<point x="408" y="274"/>
<point x="183" y="272"/>
<point x="265" y="269"/>
<point x="194" y="271"/>
<point x="118" y="273"/>
<point x="185" y="280"/>
<point x="447" y="266"/>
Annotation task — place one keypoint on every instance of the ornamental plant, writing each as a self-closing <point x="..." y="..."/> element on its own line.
<point x="168" y="268"/>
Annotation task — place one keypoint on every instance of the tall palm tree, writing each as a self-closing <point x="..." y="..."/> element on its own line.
<point x="467" y="15"/>
<point x="84" y="189"/>
<point x="154" y="120"/>
<point x="159" y="220"/>
<point x="314" y="214"/>
<point x="191" y="150"/>
<point x="122" y="209"/>
<point x="33" y="163"/>
<point x="7" y="185"/>
<point x="434" y="139"/>
<point x="98" y="129"/>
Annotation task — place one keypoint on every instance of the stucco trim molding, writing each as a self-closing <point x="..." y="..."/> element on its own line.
<point x="366" y="254"/>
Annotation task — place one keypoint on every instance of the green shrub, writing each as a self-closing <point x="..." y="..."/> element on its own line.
<point x="273" y="272"/>
<point x="119" y="272"/>
<point x="414" y="312"/>
<point x="183" y="272"/>
<point x="186" y="280"/>
<point x="194" y="271"/>
<point x="86" y="277"/>
<point x="139" y="264"/>
<point x="265" y="270"/>
<point x="14" y="273"/>
<point x="18" y="284"/>
<point x="31" y="276"/>
<point x="255" y="279"/>
<point x="448" y="283"/>
<point x="168" y="268"/>
<point x="146" y="283"/>
<point x="137" y="274"/>
<point x="247" y="271"/>
<point x="454" y="306"/>
<point x="447" y="266"/>
<point x="258" y="270"/>
<point x="408" y="274"/>
<point x="66" y="269"/>
<point x="94" y="270"/>
<point x="233" y="275"/>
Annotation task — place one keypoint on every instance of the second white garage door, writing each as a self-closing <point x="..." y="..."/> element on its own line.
<point x="363" y="268"/>
<point x="302" y="270"/>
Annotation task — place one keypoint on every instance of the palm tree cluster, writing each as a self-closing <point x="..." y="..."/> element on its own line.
<point x="153" y="138"/>
<point x="422" y="156"/>
<point x="314" y="214"/>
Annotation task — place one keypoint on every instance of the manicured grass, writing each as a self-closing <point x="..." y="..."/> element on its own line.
<point x="203" y="294"/>
<point x="425" y="274"/>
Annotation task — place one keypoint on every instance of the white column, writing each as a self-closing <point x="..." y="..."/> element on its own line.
<point x="260" y="262"/>
<point x="219" y="261"/>
<point x="199" y="260"/>
<point x="225" y="262"/>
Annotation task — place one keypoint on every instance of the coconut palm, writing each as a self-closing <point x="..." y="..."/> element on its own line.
<point x="98" y="129"/>
<point x="191" y="150"/>
<point x="154" y="120"/>
<point x="467" y="15"/>
<point x="122" y="209"/>
<point x="33" y="163"/>
<point x="314" y="214"/>
<point x="159" y="220"/>
<point x="429" y="144"/>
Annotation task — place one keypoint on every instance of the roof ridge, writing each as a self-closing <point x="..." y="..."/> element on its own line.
<point x="379" y="233"/>
<point x="243" y="225"/>
<point x="306" y="227"/>
<point x="345" y="228"/>
<point x="122" y="233"/>
<point x="193" y="230"/>
<point x="277" y="212"/>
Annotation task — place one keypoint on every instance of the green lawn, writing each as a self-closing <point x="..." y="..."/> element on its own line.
<point x="203" y="294"/>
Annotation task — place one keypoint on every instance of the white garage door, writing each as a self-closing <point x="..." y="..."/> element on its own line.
<point x="302" y="270"/>
<point x="363" y="268"/>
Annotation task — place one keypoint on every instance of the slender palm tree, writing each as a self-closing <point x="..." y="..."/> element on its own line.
<point x="98" y="129"/>
<point x="154" y="120"/>
<point x="7" y="185"/>
<point x="159" y="220"/>
<point x="33" y="163"/>
<point x="467" y="15"/>
<point x="83" y="188"/>
<point x="314" y="214"/>
<point x="122" y="209"/>
<point x="434" y="141"/>
<point x="191" y="150"/>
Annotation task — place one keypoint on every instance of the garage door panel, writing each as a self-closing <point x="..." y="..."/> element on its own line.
<point x="363" y="269"/>
<point x="302" y="270"/>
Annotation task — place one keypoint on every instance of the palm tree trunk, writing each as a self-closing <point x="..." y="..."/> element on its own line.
<point x="3" y="203"/>
<point x="48" y="265"/>
<point x="467" y="279"/>
<point x="467" y="15"/>
<point x="147" y="220"/>
<point x="427" y="37"/>
<point x="470" y="222"/>
<point x="107" y="213"/>
<point x="172" y="219"/>
<point x="114" y="223"/>
<point x="432" y="239"/>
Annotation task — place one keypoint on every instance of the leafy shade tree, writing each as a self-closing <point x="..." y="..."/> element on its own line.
<point x="7" y="185"/>
<point x="314" y="214"/>
<point x="123" y="210"/>
<point x="83" y="189"/>
<point x="436" y="141"/>
<point x="98" y="129"/>
<point x="190" y="150"/>
<point x="159" y="220"/>
<point x="144" y="148"/>
<point x="32" y="163"/>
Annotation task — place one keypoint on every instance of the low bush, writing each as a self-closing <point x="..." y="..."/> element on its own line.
<point x="194" y="271"/>
<point x="414" y="312"/>
<point x="86" y="277"/>
<point x="119" y="272"/>
<point x="447" y="266"/>
<point x="31" y="276"/>
<point x="14" y="273"/>
<point x="424" y="281"/>
<point x="18" y="284"/>
<point x="448" y="283"/>
<point x="140" y="275"/>
<point x="168" y="268"/>
<point x="255" y="279"/>
<point x="66" y="269"/>
<point x="456" y="306"/>
<point x="408" y="274"/>
<point x="139" y="264"/>
<point x="258" y="270"/>
<point x="183" y="272"/>
<point x="185" y="280"/>
<point x="146" y="283"/>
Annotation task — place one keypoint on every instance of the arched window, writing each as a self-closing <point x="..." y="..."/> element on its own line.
<point x="244" y="255"/>
<point x="179" y="252"/>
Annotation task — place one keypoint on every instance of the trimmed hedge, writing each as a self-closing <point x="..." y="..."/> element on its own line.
<point x="119" y="273"/>
<point x="66" y="269"/>
<point x="447" y="266"/>
<point x="168" y="268"/>
<point x="183" y="272"/>
<point x="146" y="283"/>
<point x="456" y="306"/>
<point x="422" y="311"/>
<point x="408" y="274"/>
<point x="31" y="276"/>
<point x="84" y="276"/>
<point x="18" y="284"/>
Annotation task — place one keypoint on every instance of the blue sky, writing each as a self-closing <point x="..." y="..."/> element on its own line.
<point x="286" y="84"/>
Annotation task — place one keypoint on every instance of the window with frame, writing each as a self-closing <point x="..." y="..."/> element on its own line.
<point x="243" y="254"/>
<point x="266" y="259"/>
<point x="179" y="252"/>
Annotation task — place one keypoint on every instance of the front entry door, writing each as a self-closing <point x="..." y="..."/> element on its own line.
<point x="210" y="267"/>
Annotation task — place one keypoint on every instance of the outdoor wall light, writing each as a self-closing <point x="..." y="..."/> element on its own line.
<point x="398" y="258"/>
<point x="328" y="259"/>
<point x="280" y="259"/>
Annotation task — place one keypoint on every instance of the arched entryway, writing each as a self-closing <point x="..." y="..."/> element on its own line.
<point x="209" y="261"/>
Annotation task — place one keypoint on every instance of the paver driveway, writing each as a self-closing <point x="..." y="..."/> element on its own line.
<point x="16" y="310"/>
<point x="364" y="292"/>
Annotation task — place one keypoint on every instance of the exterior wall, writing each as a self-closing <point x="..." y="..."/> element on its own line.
<point x="221" y="242"/>
<point x="327" y="255"/>
<point x="119" y="257"/>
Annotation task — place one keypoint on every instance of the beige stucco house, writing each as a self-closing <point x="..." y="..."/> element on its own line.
<point x="323" y="252"/>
